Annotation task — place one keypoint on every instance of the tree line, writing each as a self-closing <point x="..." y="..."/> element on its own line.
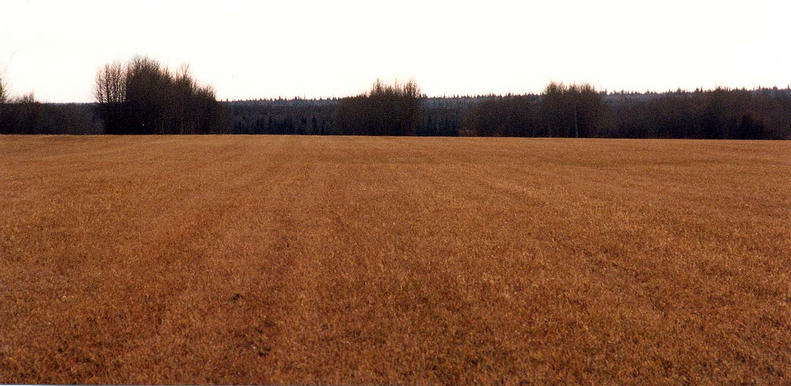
<point x="144" y="97"/>
<point x="385" y="110"/>
<point x="581" y="111"/>
<point x="559" y="111"/>
<point x="17" y="114"/>
<point x="297" y="116"/>
<point x="718" y="114"/>
<point x="26" y="115"/>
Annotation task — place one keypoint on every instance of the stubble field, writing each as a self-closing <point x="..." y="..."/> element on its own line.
<point x="237" y="259"/>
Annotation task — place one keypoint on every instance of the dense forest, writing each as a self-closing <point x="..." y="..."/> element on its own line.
<point x="560" y="111"/>
<point x="144" y="97"/>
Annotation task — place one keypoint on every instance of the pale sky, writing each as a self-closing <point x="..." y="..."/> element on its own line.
<point x="262" y="49"/>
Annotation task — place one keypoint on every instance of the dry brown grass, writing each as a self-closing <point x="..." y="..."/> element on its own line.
<point x="234" y="259"/>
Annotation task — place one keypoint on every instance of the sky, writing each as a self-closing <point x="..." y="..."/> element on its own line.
<point x="312" y="49"/>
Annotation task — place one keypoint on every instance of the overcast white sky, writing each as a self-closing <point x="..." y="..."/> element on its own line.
<point x="261" y="49"/>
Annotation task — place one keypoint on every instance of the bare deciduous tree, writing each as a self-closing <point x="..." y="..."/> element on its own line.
<point x="571" y="111"/>
<point x="110" y="92"/>
<point x="144" y="97"/>
<point x="111" y="84"/>
<point x="385" y="110"/>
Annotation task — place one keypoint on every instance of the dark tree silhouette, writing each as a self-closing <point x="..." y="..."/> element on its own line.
<point x="571" y="111"/>
<point x="501" y="116"/>
<point x="143" y="97"/>
<point x="110" y="93"/>
<point x="21" y="115"/>
<point x="385" y="110"/>
<point x="3" y="92"/>
<point x="25" y="115"/>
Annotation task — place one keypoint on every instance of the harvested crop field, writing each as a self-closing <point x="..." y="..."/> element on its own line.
<point x="283" y="259"/>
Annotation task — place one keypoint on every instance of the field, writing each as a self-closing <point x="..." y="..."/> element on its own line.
<point x="282" y="259"/>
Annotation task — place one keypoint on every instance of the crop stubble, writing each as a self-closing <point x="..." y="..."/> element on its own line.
<point x="269" y="259"/>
